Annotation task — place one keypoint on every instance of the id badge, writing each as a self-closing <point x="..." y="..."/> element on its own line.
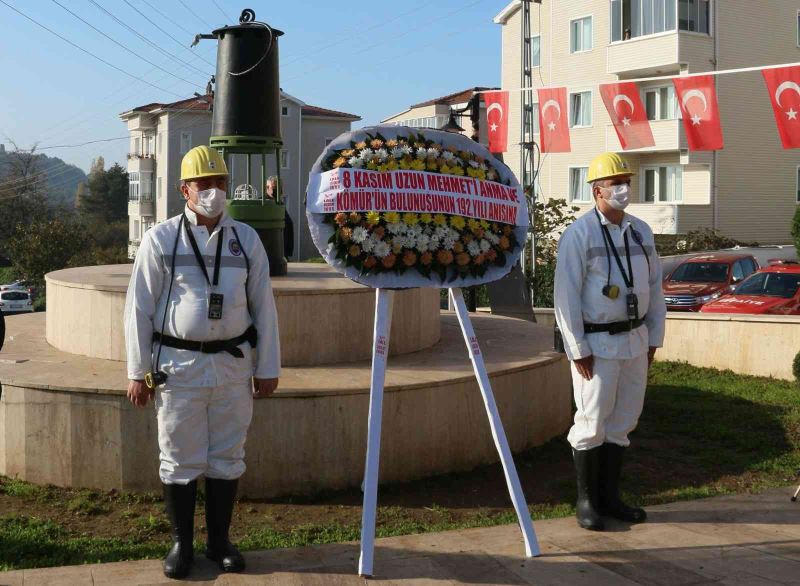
<point x="215" y="306"/>
<point x="632" y="301"/>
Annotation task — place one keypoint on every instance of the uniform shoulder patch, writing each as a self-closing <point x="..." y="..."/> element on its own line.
<point x="233" y="246"/>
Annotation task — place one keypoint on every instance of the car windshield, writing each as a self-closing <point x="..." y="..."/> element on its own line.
<point x="771" y="284"/>
<point x="701" y="272"/>
<point x="13" y="296"/>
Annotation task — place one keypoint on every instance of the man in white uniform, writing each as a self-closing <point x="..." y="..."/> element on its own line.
<point x="201" y="324"/>
<point x="610" y="309"/>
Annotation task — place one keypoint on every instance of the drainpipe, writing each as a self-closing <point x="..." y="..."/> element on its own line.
<point x="715" y="159"/>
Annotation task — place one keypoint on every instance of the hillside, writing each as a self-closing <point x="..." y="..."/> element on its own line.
<point x="62" y="179"/>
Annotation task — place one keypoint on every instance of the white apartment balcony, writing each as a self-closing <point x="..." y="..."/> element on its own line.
<point x="666" y="53"/>
<point x="668" y="134"/>
<point x="141" y="122"/>
<point x="140" y="163"/>
<point x="141" y="206"/>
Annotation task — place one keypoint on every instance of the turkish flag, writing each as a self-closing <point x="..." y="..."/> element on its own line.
<point x="697" y="98"/>
<point x="784" y="93"/>
<point x="497" y="119"/>
<point x="624" y="105"/>
<point x="553" y="120"/>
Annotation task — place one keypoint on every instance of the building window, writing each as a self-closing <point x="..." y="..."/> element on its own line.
<point x="146" y="186"/>
<point x="536" y="51"/>
<point x="133" y="187"/>
<point x="427" y="122"/>
<point x="638" y="18"/>
<point x="694" y="15"/>
<point x="579" y="190"/>
<point x="284" y="159"/>
<point x="284" y="110"/>
<point x="580" y="105"/>
<point x="662" y="184"/>
<point x="660" y="103"/>
<point x="186" y="141"/>
<point x="580" y="37"/>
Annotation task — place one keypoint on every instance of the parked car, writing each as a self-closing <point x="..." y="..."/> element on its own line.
<point x="19" y="286"/>
<point x="774" y="289"/>
<point x="12" y="300"/>
<point x="701" y="279"/>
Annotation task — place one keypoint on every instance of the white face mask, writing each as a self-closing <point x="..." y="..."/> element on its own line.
<point x="210" y="202"/>
<point x="619" y="197"/>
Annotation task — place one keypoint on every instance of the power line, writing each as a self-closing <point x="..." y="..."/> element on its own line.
<point x="227" y="18"/>
<point x="165" y="17"/>
<point x="129" y="50"/>
<point x="66" y="40"/>
<point x="193" y="13"/>
<point x="143" y="15"/>
<point x="148" y="41"/>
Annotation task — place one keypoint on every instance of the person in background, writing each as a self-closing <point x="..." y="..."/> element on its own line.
<point x="272" y="189"/>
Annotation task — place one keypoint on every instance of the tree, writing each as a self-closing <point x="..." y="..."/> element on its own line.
<point x="117" y="180"/>
<point x="22" y="193"/>
<point x="796" y="230"/>
<point x="551" y="217"/>
<point x="95" y="204"/>
<point x="44" y="246"/>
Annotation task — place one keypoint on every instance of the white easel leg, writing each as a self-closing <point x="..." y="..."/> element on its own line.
<point x="499" y="434"/>
<point x="380" y="350"/>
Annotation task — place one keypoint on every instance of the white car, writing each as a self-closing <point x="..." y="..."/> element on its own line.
<point x="15" y="300"/>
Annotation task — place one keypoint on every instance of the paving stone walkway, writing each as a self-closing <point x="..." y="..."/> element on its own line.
<point x="751" y="540"/>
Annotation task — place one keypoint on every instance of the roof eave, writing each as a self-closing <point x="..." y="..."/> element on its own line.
<point x="507" y="12"/>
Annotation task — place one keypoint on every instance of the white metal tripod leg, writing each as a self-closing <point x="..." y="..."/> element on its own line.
<point x="380" y="351"/>
<point x="499" y="434"/>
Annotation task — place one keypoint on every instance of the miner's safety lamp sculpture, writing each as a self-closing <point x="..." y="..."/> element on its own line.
<point x="246" y="123"/>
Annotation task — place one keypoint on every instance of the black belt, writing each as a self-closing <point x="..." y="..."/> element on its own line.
<point x="617" y="327"/>
<point x="212" y="347"/>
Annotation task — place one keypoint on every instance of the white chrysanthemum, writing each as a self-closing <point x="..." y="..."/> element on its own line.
<point x="398" y="228"/>
<point x="484" y="244"/>
<point x="448" y="243"/>
<point x="410" y="240"/>
<point x="473" y="248"/>
<point x="448" y="156"/>
<point x="416" y="229"/>
<point x="398" y="152"/>
<point x="365" y="155"/>
<point x="369" y="244"/>
<point x="474" y="164"/>
<point x="422" y="152"/>
<point x="453" y="233"/>
<point x="381" y="154"/>
<point x="382" y="249"/>
<point x="434" y="242"/>
<point x="355" y="162"/>
<point x="484" y="166"/>
<point x="492" y="237"/>
<point x="424" y="243"/>
<point x="441" y="232"/>
<point x="405" y="149"/>
<point x="359" y="234"/>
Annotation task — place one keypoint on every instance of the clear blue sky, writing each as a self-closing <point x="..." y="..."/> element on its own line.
<point x="369" y="58"/>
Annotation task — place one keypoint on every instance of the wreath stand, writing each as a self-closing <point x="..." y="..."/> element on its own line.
<point x="383" y="324"/>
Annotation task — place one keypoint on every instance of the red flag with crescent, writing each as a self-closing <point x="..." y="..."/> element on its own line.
<point x="784" y="93"/>
<point x="497" y="120"/>
<point x="697" y="98"/>
<point x="624" y="105"/>
<point x="553" y="120"/>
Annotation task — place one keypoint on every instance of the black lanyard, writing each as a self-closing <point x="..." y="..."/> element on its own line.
<point x="609" y="243"/>
<point x="200" y="259"/>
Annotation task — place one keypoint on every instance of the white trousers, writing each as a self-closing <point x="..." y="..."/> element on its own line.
<point x="608" y="405"/>
<point x="202" y="431"/>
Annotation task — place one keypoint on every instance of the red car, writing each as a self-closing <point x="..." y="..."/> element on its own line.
<point x="704" y="278"/>
<point x="774" y="289"/>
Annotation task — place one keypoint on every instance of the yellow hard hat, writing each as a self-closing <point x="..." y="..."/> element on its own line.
<point x="606" y="166"/>
<point x="202" y="161"/>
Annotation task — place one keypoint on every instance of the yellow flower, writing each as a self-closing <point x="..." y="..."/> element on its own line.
<point x="373" y="218"/>
<point x="340" y="162"/>
<point x="481" y="174"/>
<point x="348" y="153"/>
<point x="457" y="222"/>
<point x="474" y="225"/>
<point x="485" y="225"/>
<point x="383" y="167"/>
<point x="355" y="218"/>
<point x="372" y="165"/>
<point x="465" y="155"/>
<point x="457" y="170"/>
<point x="410" y="219"/>
<point x="417" y="165"/>
<point x="425" y="218"/>
<point x="405" y="163"/>
<point x="376" y="143"/>
<point x="391" y="217"/>
<point x="432" y="166"/>
<point x="440" y="220"/>
<point x="391" y="143"/>
<point x="361" y="145"/>
<point x="392" y="165"/>
<point x="472" y="172"/>
<point x="444" y="168"/>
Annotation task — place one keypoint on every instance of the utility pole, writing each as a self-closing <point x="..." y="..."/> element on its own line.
<point x="527" y="144"/>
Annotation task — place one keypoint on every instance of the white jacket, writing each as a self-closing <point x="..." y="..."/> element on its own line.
<point x="581" y="274"/>
<point x="187" y="317"/>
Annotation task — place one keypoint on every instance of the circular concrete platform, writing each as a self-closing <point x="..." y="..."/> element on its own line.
<point x="323" y="317"/>
<point x="65" y="419"/>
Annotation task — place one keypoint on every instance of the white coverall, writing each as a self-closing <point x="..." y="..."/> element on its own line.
<point x="608" y="405"/>
<point x="206" y="405"/>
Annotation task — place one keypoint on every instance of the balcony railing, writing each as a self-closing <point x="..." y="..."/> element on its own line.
<point x="140" y="198"/>
<point x="141" y="156"/>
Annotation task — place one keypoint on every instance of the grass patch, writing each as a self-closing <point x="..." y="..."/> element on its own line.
<point x="702" y="433"/>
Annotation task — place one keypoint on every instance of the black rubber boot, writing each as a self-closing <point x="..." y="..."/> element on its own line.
<point x="220" y="495"/>
<point x="610" y="502"/>
<point x="587" y="466"/>
<point x="180" y="500"/>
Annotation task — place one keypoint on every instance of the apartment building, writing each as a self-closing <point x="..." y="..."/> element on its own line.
<point x="749" y="190"/>
<point x="160" y="134"/>
<point x="436" y="112"/>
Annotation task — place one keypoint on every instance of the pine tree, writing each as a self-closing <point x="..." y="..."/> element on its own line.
<point x="117" y="180"/>
<point x="94" y="204"/>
